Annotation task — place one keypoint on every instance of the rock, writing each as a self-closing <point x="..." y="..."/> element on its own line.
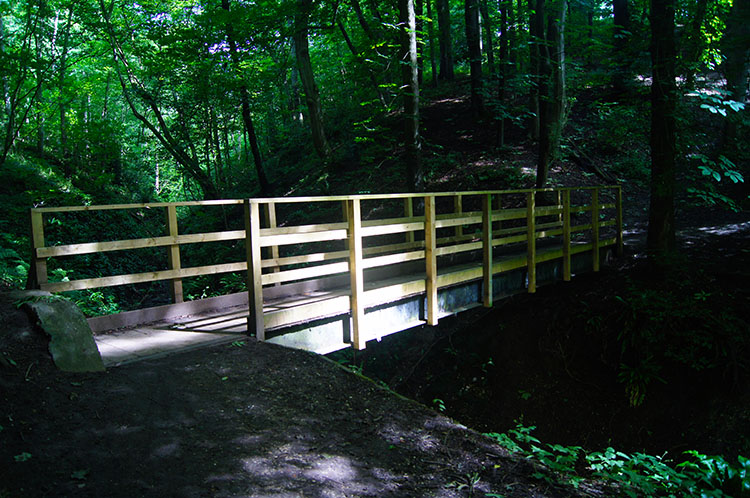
<point x="71" y="343"/>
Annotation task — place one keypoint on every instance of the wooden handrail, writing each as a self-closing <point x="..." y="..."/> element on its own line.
<point x="364" y="244"/>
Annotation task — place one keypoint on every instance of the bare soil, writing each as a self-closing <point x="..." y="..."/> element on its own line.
<point x="249" y="419"/>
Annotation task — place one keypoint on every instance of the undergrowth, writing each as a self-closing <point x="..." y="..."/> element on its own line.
<point x="693" y="474"/>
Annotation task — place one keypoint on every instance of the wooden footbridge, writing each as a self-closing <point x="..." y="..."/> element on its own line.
<point x="325" y="273"/>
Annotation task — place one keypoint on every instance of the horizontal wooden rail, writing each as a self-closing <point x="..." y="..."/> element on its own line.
<point x="359" y="245"/>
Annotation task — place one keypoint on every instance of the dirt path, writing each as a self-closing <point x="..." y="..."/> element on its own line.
<point x="247" y="419"/>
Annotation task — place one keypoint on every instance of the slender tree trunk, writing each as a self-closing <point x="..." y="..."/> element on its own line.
<point x="410" y="81"/>
<point x="536" y="32"/>
<point x="473" y="36"/>
<point x="247" y="119"/>
<point x="419" y="10"/>
<point x="621" y="43"/>
<point x="446" y="44"/>
<point x="694" y="43"/>
<point x="362" y="62"/>
<point x="502" y="68"/>
<point x="312" y="95"/>
<point x="661" y="236"/>
<point x="431" y="36"/>
<point x="361" y="18"/>
<point x="488" y="37"/>
<point x="551" y="90"/>
<point x="735" y="46"/>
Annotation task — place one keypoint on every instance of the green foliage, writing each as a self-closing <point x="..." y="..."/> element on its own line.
<point x="633" y="475"/>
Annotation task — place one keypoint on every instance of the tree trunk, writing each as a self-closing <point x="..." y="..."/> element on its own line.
<point x="247" y="119"/>
<point x="446" y="45"/>
<point x="620" y="43"/>
<point x="536" y="32"/>
<point x="471" y="14"/>
<point x="410" y="81"/>
<point x="661" y="237"/>
<point x="735" y="46"/>
<point x="551" y="90"/>
<point x="312" y="95"/>
<point x="488" y="37"/>
<point x="431" y="36"/>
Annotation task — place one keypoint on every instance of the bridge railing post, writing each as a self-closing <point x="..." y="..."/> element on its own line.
<point x="173" y="254"/>
<point x="409" y="213"/>
<point x="618" y="221"/>
<point x="531" y="240"/>
<point x="38" y="270"/>
<point x="487" y="250"/>
<point x="273" y="251"/>
<point x="566" y="234"/>
<point x="458" y="208"/>
<point x="356" y="271"/>
<point x="595" y="228"/>
<point x="255" y="323"/>
<point x="430" y="245"/>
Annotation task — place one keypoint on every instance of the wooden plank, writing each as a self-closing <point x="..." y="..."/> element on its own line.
<point x="302" y="229"/>
<point x="458" y="208"/>
<point x="317" y="257"/>
<point x="487" y="250"/>
<point x="566" y="235"/>
<point x="138" y="278"/>
<point x="509" y="240"/>
<point x="124" y="245"/>
<point x="409" y="213"/>
<point x="278" y="318"/>
<point x="173" y="254"/>
<point x="455" y="249"/>
<point x="618" y="222"/>
<point x="38" y="262"/>
<point x="372" y="228"/>
<point x="255" y="322"/>
<point x="305" y="273"/>
<point x="394" y="292"/>
<point x="302" y="238"/>
<point x="595" y="228"/>
<point x="145" y="205"/>
<point x="270" y="213"/>
<point x="356" y="273"/>
<point x="451" y="220"/>
<point x="509" y="214"/>
<point x="531" y="241"/>
<point x="431" y="286"/>
<point x="392" y="259"/>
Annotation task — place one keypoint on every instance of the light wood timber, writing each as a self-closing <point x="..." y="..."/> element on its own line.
<point x="487" y="250"/>
<point x="137" y="278"/>
<point x="145" y="205"/>
<point x="354" y="216"/>
<point x="38" y="262"/>
<point x="459" y="248"/>
<point x="566" y="235"/>
<point x="124" y="245"/>
<point x="595" y="228"/>
<point x="409" y="213"/>
<point x="431" y="285"/>
<point x="301" y="238"/>
<point x="255" y="323"/>
<point x="305" y="273"/>
<point x="531" y="241"/>
<point x="270" y="213"/>
<point x="458" y="209"/>
<point x="173" y="254"/>
<point x="392" y="259"/>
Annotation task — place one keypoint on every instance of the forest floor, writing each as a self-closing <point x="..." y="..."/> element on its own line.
<point x="254" y="419"/>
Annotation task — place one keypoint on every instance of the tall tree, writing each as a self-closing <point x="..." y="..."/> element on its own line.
<point x="431" y="39"/>
<point x="735" y="47"/>
<point x="489" y="35"/>
<point x="551" y="89"/>
<point x="307" y="77"/>
<point x="620" y="43"/>
<point x="446" y="43"/>
<point x="410" y="81"/>
<point x="661" y="234"/>
<point x="473" y="41"/>
<point x="245" y="105"/>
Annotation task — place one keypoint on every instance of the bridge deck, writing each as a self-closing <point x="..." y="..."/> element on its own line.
<point x="326" y="286"/>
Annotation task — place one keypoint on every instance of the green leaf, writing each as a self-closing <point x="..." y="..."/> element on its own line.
<point x="22" y="457"/>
